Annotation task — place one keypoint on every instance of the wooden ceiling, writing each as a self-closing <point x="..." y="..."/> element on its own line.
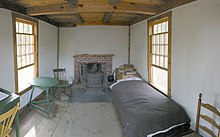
<point x="69" y="13"/>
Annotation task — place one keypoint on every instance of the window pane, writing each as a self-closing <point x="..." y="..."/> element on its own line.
<point x="166" y="50"/>
<point x="155" y="29"/>
<point x="166" y="38"/>
<point x="21" y="27"/>
<point x="153" y="49"/>
<point x="23" y="76"/>
<point x="166" y="62"/>
<point x="157" y="49"/>
<point x="159" y="28"/>
<point x="17" y="27"/>
<point x="159" y="79"/>
<point x="25" y="28"/>
<point x="161" y="61"/>
<point x="164" y="27"/>
<point x="157" y="60"/>
<point x="153" y="60"/>
<point x="167" y="26"/>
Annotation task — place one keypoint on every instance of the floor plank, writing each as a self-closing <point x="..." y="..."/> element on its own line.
<point x="71" y="120"/>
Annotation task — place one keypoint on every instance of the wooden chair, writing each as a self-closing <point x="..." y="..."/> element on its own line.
<point x="6" y="121"/>
<point x="60" y="74"/>
<point x="207" y="118"/>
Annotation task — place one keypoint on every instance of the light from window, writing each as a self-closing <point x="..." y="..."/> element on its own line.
<point x="159" y="54"/>
<point x="26" y="53"/>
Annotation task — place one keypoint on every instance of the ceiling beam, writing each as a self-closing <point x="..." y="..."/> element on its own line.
<point x="93" y="7"/>
<point x="20" y="9"/>
<point x="13" y="7"/>
<point x="72" y="3"/>
<point x="79" y="18"/>
<point x="96" y="23"/>
<point x="106" y="17"/>
<point x="113" y="2"/>
<point x="173" y="3"/>
<point x="138" y="19"/>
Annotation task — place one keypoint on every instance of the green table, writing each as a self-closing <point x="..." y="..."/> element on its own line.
<point x="7" y="104"/>
<point x="44" y="83"/>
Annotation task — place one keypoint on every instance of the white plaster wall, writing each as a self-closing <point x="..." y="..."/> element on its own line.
<point x="139" y="48"/>
<point x="6" y="51"/>
<point x="195" y="54"/>
<point x="93" y="40"/>
<point x="47" y="53"/>
<point x="47" y="48"/>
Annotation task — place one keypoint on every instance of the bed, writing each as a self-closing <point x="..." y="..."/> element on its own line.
<point x="145" y="112"/>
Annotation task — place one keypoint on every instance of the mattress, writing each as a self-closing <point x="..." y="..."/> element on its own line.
<point x="145" y="112"/>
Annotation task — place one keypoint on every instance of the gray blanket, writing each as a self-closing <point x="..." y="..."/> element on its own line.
<point x="143" y="110"/>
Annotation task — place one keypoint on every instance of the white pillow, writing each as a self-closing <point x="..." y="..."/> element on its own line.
<point x="125" y="79"/>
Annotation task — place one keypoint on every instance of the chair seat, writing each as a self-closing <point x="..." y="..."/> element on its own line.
<point x="193" y="135"/>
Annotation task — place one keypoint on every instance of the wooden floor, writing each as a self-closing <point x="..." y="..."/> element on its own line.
<point x="71" y="120"/>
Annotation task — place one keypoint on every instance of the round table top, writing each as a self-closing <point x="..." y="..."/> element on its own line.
<point x="45" y="82"/>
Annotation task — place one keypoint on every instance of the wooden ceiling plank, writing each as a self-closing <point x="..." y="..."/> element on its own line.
<point x="147" y="2"/>
<point x="106" y="17"/>
<point x="114" y="2"/>
<point x="93" y="7"/>
<point x="173" y="3"/>
<point x="96" y="23"/>
<point x="20" y="9"/>
<point x="79" y="18"/>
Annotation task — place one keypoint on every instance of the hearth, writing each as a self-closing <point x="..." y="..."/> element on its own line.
<point x="92" y="69"/>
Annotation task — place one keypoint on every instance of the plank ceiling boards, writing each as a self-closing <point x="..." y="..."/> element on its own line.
<point x="69" y="13"/>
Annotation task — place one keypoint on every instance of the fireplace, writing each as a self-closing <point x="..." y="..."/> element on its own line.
<point x="92" y="69"/>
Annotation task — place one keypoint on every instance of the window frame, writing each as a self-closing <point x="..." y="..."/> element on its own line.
<point x="161" y="18"/>
<point x="33" y="22"/>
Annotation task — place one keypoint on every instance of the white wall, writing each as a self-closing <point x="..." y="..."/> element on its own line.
<point x="139" y="48"/>
<point x="93" y="40"/>
<point x="195" y="54"/>
<point x="47" y="53"/>
<point x="6" y="51"/>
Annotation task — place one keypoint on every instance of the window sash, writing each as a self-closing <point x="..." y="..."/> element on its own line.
<point x="159" y="51"/>
<point x="25" y="48"/>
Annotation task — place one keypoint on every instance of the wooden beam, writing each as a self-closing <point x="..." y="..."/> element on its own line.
<point x="173" y="3"/>
<point x="70" y="24"/>
<point x="20" y="9"/>
<point x="138" y="19"/>
<point x="13" y="7"/>
<point x="113" y="2"/>
<point x="72" y="3"/>
<point x="50" y="21"/>
<point x="93" y="7"/>
<point x="106" y="17"/>
<point x="79" y="18"/>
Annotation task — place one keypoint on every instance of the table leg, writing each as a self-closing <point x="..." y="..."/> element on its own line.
<point x="48" y="102"/>
<point x="31" y="94"/>
<point x="17" y="125"/>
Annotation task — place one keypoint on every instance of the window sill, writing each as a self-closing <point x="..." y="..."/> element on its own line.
<point x="24" y="91"/>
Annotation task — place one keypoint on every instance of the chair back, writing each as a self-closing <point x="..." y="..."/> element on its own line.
<point x="6" y="121"/>
<point x="210" y="120"/>
<point x="60" y="74"/>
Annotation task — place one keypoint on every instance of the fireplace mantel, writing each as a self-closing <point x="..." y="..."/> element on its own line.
<point x="93" y="55"/>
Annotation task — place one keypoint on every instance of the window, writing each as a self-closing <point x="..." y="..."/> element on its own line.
<point x="159" y="53"/>
<point x="25" y="52"/>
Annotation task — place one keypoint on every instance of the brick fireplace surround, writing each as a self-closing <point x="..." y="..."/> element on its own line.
<point x="92" y="58"/>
